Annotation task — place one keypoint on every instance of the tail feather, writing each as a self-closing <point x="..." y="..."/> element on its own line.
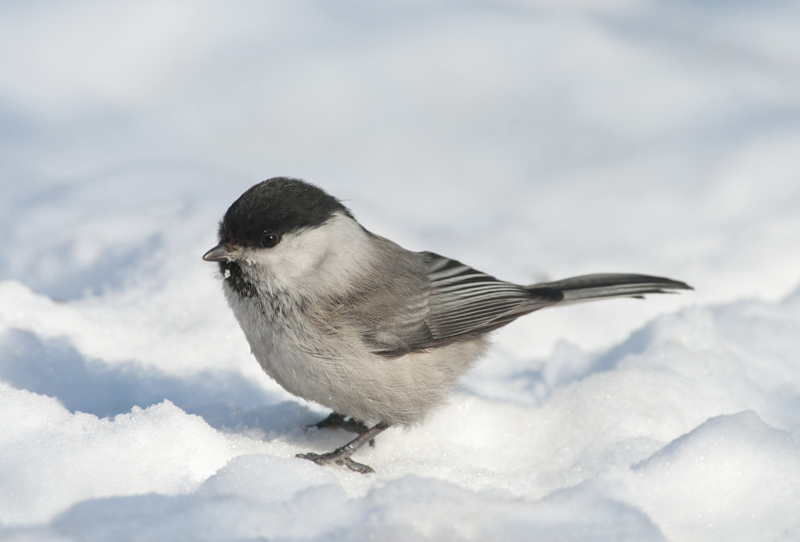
<point x="607" y="285"/>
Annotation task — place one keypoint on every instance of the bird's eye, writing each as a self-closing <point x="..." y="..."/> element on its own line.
<point x="270" y="240"/>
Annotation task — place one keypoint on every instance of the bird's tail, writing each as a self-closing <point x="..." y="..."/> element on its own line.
<point x="604" y="286"/>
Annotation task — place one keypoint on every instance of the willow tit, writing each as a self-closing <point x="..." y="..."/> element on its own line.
<point x="350" y="320"/>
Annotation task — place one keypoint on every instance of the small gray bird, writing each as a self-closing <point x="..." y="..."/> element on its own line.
<point x="345" y="318"/>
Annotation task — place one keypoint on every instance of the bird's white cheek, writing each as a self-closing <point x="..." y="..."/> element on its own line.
<point x="296" y="259"/>
<point x="284" y="264"/>
<point x="322" y="259"/>
<point x="296" y="263"/>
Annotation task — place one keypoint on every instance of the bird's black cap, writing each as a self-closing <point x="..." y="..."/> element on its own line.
<point x="279" y="205"/>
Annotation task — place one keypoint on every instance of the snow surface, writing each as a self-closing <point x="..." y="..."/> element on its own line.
<point x="534" y="140"/>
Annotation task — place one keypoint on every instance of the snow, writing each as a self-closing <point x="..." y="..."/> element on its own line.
<point x="534" y="140"/>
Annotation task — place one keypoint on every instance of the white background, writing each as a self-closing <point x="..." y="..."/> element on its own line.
<point x="532" y="140"/>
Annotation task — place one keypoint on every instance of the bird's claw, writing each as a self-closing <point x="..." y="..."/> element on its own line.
<point x="339" y="459"/>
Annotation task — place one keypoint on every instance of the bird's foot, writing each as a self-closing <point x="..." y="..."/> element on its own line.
<point x="341" y="456"/>
<point x="339" y="421"/>
<point x="339" y="459"/>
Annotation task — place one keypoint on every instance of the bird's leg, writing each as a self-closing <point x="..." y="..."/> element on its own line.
<point x="339" y="421"/>
<point x="341" y="456"/>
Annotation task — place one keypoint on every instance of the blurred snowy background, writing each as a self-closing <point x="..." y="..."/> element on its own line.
<point x="533" y="140"/>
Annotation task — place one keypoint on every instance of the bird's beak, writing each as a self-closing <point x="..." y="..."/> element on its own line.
<point x="218" y="254"/>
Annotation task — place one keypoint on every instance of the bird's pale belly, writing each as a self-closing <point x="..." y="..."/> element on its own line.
<point x="339" y="374"/>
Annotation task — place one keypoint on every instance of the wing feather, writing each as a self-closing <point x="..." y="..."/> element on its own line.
<point x="450" y="302"/>
<point x="466" y="302"/>
<point x="424" y="300"/>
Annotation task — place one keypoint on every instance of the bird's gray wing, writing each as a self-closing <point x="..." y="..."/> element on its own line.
<point x="451" y="302"/>
<point x="465" y="302"/>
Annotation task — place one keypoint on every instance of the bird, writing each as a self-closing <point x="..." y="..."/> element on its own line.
<point x="345" y="318"/>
